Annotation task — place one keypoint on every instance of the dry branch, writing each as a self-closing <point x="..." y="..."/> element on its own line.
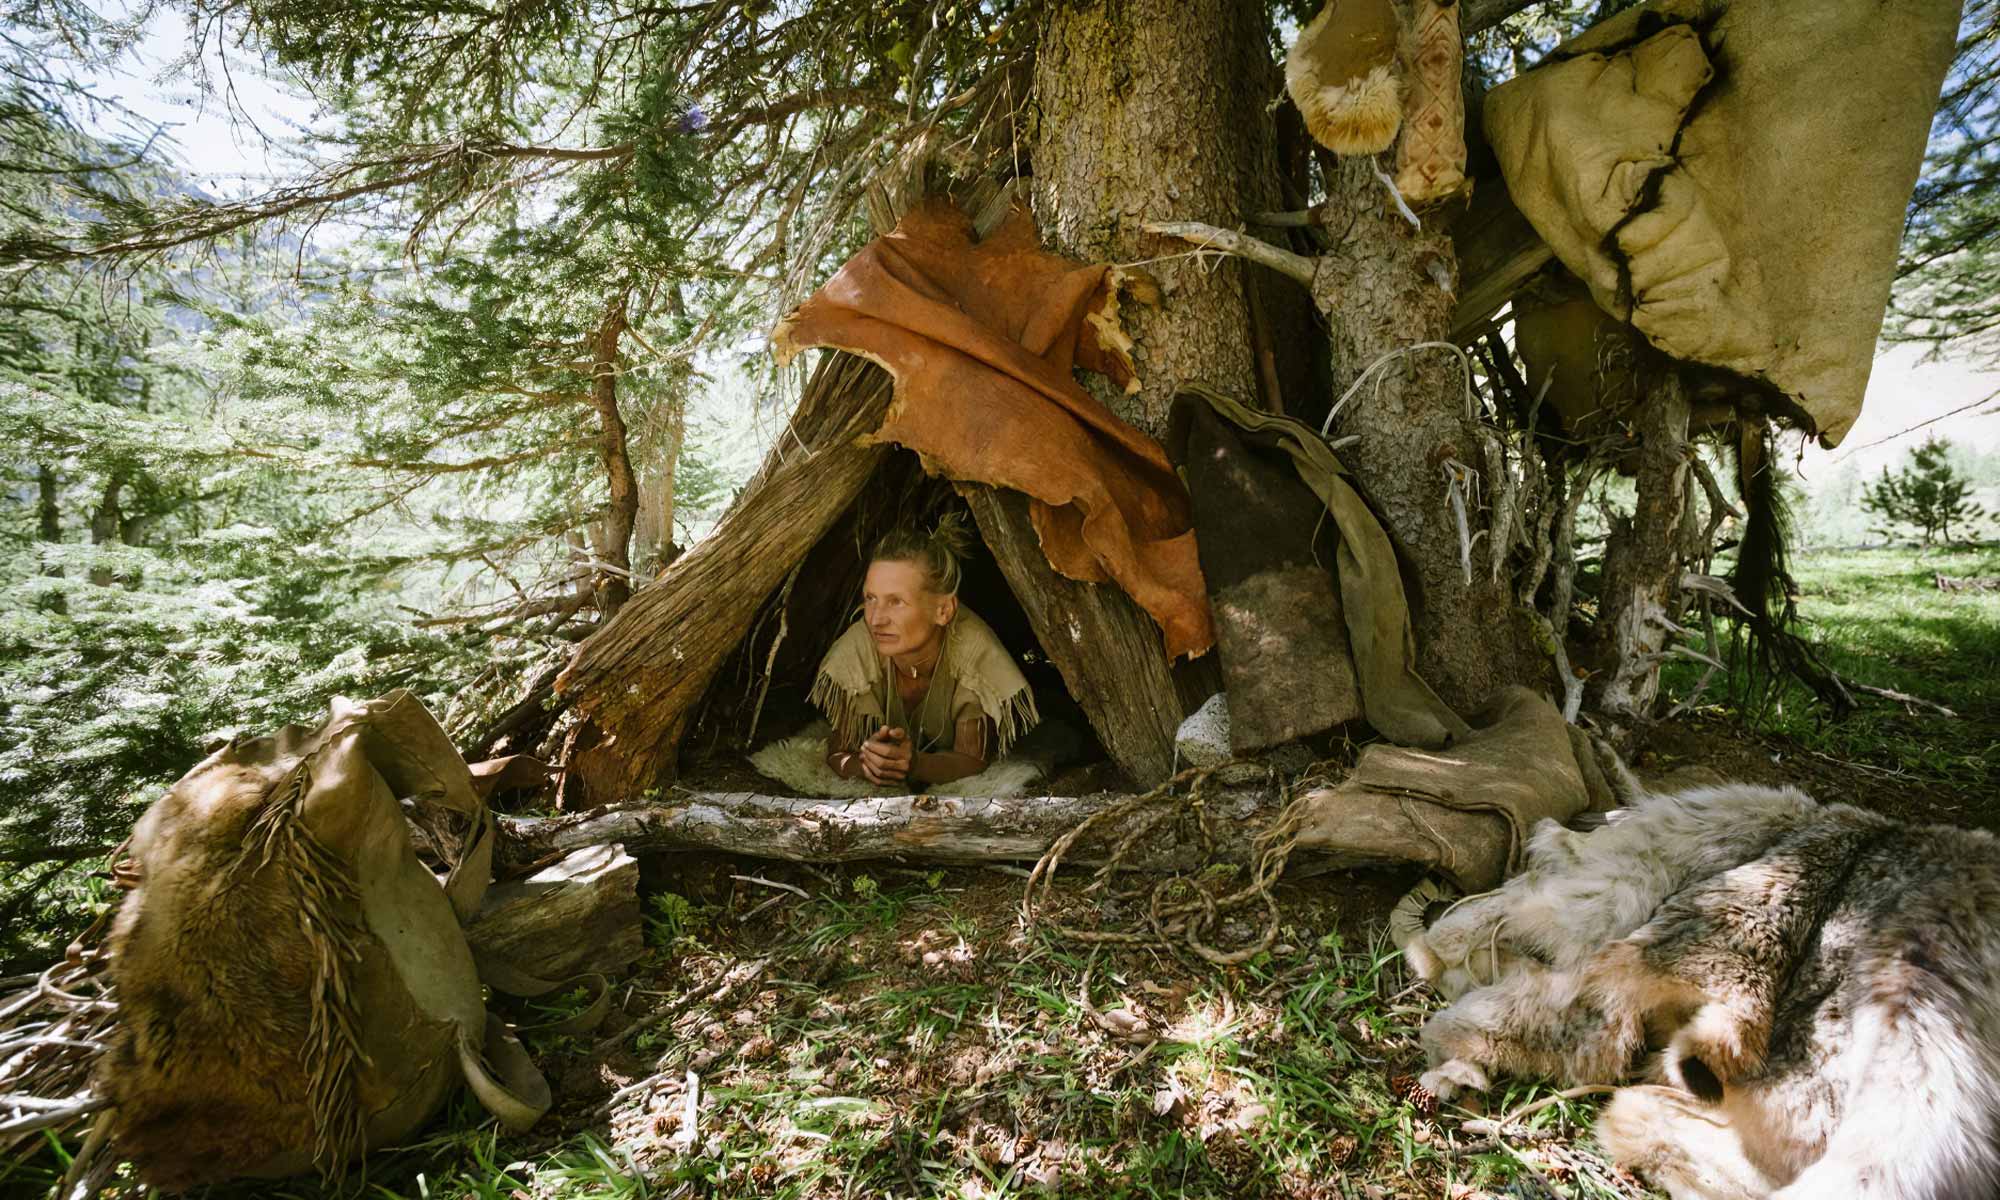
<point x="1228" y="241"/>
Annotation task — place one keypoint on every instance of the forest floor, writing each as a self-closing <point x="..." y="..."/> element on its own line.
<point x="886" y="1030"/>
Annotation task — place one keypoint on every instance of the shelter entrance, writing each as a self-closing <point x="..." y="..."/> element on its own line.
<point x="761" y="696"/>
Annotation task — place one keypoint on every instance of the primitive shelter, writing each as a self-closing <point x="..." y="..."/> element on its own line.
<point x="1738" y="223"/>
<point x="980" y="335"/>
<point x="789" y="556"/>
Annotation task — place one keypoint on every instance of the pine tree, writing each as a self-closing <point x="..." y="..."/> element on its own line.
<point x="1948" y="286"/>
<point x="1928" y="493"/>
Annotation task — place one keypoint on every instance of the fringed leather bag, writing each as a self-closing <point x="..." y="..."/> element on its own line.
<point x="294" y="986"/>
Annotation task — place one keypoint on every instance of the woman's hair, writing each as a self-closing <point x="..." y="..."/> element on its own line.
<point x="939" y="553"/>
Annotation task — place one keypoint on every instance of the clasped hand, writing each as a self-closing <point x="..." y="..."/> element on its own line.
<point x="886" y="756"/>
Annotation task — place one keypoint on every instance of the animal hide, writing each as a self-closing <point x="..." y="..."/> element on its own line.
<point x="1375" y="609"/>
<point x="1465" y="809"/>
<point x="1730" y="177"/>
<point x="1280" y="632"/>
<point x="981" y="340"/>
<point x="1805" y="998"/>
<point x="1343" y="73"/>
<point x="293" y="984"/>
<point x="1430" y="160"/>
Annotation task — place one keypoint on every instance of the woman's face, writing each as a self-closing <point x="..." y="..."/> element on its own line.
<point x="902" y="613"/>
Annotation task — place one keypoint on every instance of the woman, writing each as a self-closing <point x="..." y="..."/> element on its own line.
<point x="919" y="691"/>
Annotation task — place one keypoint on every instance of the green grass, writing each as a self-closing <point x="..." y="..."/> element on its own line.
<point x="900" y="1035"/>
<point x="1880" y="619"/>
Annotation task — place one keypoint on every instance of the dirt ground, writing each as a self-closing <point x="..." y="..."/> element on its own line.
<point x="1701" y="749"/>
<point x="895" y="1030"/>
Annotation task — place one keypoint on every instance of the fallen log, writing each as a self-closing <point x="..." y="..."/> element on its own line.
<point x="940" y="829"/>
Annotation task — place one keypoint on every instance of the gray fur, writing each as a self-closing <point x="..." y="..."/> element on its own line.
<point x="1812" y="995"/>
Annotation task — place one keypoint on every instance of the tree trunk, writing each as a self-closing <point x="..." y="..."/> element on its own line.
<point x="47" y="510"/>
<point x="1385" y="287"/>
<point x="1148" y="110"/>
<point x="653" y="547"/>
<point x="614" y="541"/>
<point x="104" y="524"/>
<point x="641" y="675"/>
<point x="1110" y="655"/>
<point x="1642" y="561"/>
<point x="49" y="518"/>
<point x="1153" y="110"/>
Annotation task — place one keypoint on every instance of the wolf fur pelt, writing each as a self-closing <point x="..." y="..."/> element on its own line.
<point x="1805" y="998"/>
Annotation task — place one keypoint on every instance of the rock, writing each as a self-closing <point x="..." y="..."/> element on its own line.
<point x="1203" y="740"/>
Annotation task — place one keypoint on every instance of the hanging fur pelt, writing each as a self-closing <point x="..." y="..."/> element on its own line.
<point x="1343" y="72"/>
<point x="1762" y="578"/>
<point x="1803" y="1000"/>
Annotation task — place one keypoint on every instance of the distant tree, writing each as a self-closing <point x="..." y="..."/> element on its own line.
<point x="1928" y="493"/>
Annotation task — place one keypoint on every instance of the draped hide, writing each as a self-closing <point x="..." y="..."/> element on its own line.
<point x="1278" y="620"/>
<point x="980" y="339"/>
<point x="1730" y="177"/>
<point x="1267" y="601"/>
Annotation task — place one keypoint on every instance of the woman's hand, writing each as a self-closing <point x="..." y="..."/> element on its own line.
<point x="886" y="756"/>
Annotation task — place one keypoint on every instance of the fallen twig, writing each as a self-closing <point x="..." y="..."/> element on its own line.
<point x="684" y="1137"/>
<point x="1901" y="697"/>
<point x="794" y="889"/>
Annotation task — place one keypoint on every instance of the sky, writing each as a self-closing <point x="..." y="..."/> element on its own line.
<point x="225" y="156"/>
<point x="1903" y="391"/>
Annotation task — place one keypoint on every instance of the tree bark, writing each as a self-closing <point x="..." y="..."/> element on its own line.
<point x="1109" y="652"/>
<point x="1148" y="110"/>
<point x="1153" y="110"/>
<point x="641" y="675"/>
<point x="1642" y="560"/>
<point x="1385" y="287"/>
<point x="615" y="539"/>
<point x="943" y="829"/>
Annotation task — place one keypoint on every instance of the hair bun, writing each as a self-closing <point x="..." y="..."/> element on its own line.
<point x="941" y="552"/>
<point x="953" y="535"/>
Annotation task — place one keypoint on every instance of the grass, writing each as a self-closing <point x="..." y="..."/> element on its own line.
<point x="898" y="1034"/>
<point x="1881" y="620"/>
